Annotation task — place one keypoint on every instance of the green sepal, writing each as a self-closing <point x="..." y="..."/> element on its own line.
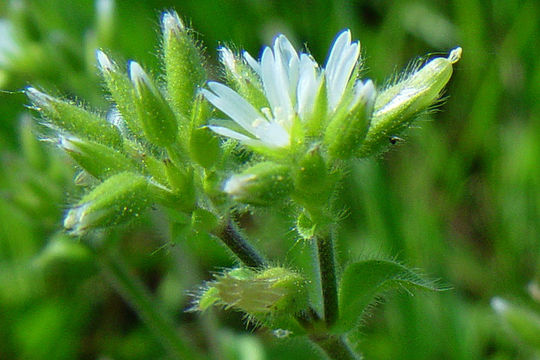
<point x="98" y="160"/>
<point x="121" y="90"/>
<point x="316" y="120"/>
<point x="208" y="298"/>
<point x="118" y="199"/>
<point x="155" y="168"/>
<point x="75" y="120"/>
<point x="305" y="226"/>
<point x="156" y="118"/>
<point x="184" y="64"/>
<point x="203" y="220"/>
<point x="313" y="180"/>
<point x="262" y="184"/>
<point x="182" y="184"/>
<point x="204" y="147"/>
<point x="349" y="125"/>
<point x="362" y="281"/>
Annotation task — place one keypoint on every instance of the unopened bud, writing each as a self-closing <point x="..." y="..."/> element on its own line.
<point x="121" y="90"/>
<point x="349" y="125"/>
<point x="155" y="116"/>
<point x="183" y="63"/>
<point x="396" y="106"/>
<point x="262" y="184"/>
<point x="98" y="160"/>
<point x="74" y="119"/>
<point x="271" y="291"/>
<point x="118" y="199"/>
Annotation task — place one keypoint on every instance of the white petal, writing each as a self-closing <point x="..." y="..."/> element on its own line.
<point x="255" y="65"/>
<point x="343" y="74"/>
<point x="228" y="133"/>
<point x="308" y="86"/>
<point x="286" y="54"/>
<point x="235" y="106"/>
<point x="341" y="42"/>
<point x="275" y="85"/>
<point x="235" y="135"/>
<point x="273" y="135"/>
<point x="341" y="62"/>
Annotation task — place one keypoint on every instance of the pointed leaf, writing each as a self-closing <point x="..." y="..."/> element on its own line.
<point x="363" y="281"/>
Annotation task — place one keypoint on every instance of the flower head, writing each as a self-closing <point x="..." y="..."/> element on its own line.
<point x="294" y="87"/>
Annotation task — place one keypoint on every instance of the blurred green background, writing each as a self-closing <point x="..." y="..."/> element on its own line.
<point x="459" y="199"/>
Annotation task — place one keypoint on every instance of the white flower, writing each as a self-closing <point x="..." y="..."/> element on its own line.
<point x="291" y="82"/>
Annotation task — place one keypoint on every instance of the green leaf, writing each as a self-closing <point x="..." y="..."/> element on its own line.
<point x="363" y="281"/>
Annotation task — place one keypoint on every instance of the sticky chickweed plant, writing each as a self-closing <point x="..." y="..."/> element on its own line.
<point x="276" y="133"/>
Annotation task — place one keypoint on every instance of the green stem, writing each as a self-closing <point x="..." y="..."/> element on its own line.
<point x="327" y="268"/>
<point x="232" y="238"/>
<point x="134" y="292"/>
<point x="335" y="347"/>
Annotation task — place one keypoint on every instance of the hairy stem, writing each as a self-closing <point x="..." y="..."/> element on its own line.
<point x="327" y="267"/>
<point x="134" y="292"/>
<point x="232" y="238"/>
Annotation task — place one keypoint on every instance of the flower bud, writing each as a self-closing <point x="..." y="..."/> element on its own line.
<point x="121" y="90"/>
<point x="349" y="125"/>
<point x="183" y="63"/>
<point x="74" y="119"/>
<point x="271" y="291"/>
<point x="118" y="199"/>
<point x="522" y="322"/>
<point x="155" y="116"/>
<point x="262" y="184"/>
<point x="98" y="160"/>
<point x="396" y="106"/>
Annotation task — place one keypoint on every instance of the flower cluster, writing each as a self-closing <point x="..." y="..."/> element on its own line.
<point x="297" y="92"/>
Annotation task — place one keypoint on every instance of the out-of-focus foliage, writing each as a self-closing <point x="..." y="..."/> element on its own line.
<point x="460" y="200"/>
